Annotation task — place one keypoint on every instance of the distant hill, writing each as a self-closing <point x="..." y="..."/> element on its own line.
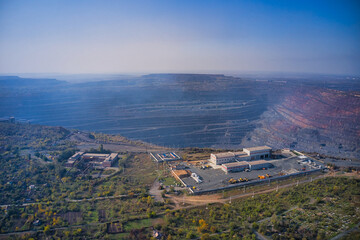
<point x="309" y="113"/>
<point x="186" y="82"/>
<point x="15" y="81"/>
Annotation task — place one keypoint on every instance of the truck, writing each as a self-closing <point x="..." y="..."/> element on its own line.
<point x="243" y="179"/>
<point x="232" y="181"/>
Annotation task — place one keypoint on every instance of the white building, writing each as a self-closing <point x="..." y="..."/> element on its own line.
<point x="247" y="154"/>
<point x="220" y="158"/>
<point x="255" y="153"/>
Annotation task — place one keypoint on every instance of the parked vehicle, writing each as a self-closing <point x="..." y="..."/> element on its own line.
<point x="232" y="181"/>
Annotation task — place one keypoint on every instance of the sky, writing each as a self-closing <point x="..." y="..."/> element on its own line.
<point x="89" y="36"/>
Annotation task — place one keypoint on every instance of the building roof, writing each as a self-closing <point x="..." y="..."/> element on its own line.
<point x="241" y="153"/>
<point x="236" y="164"/>
<point x="111" y="157"/>
<point x="224" y="155"/>
<point x="95" y="155"/>
<point x="77" y="154"/>
<point x="261" y="148"/>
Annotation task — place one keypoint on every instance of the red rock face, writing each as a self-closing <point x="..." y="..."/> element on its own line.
<point x="322" y="109"/>
<point x="321" y="120"/>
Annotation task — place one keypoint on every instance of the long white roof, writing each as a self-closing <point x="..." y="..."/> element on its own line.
<point x="255" y="149"/>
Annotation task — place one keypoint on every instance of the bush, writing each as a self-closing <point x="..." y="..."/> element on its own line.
<point x="190" y="235"/>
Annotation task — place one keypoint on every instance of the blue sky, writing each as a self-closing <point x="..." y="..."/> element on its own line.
<point x="179" y="36"/>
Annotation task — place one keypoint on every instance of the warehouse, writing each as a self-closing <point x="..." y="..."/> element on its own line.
<point x="256" y="165"/>
<point x="220" y="158"/>
<point x="248" y="154"/>
<point x="228" y="157"/>
<point x="255" y="153"/>
<point x="235" y="166"/>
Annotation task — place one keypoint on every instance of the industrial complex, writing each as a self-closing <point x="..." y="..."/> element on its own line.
<point x="96" y="160"/>
<point x="248" y="159"/>
<point x="250" y="166"/>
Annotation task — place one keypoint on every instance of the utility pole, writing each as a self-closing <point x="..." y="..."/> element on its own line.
<point x="230" y="200"/>
<point x="253" y="194"/>
<point x="277" y="188"/>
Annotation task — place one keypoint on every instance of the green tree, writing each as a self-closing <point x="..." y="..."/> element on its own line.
<point x="190" y="235"/>
<point x="46" y="229"/>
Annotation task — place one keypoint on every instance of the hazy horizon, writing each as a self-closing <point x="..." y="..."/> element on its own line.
<point x="119" y="37"/>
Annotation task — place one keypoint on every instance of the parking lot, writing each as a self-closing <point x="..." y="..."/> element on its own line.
<point x="213" y="179"/>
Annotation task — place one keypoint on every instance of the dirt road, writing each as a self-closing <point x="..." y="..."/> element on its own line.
<point x="156" y="192"/>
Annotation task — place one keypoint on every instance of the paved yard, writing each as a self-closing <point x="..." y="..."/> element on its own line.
<point x="217" y="178"/>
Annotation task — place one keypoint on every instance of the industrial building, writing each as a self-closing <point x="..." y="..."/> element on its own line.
<point x="221" y="158"/>
<point x="96" y="160"/>
<point x="256" y="153"/>
<point x="260" y="164"/>
<point x="235" y="166"/>
<point x="241" y="166"/>
<point x="248" y="154"/>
